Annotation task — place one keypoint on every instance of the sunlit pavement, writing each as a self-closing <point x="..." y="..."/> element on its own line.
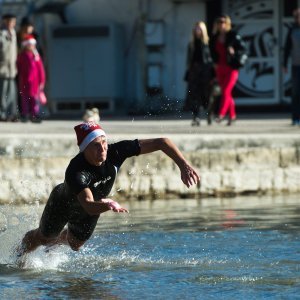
<point x="260" y="124"/>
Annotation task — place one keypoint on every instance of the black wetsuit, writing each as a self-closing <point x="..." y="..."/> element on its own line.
<point x="63" y="206"/>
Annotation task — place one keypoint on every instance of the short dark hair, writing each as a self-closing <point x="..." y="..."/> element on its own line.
<point x="26" y="22"/>
<point x="8" y="16"/>
<point x="222" y="15"/>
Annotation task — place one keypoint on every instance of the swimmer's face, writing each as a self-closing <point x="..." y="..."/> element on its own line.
<point x="96" y="151"/>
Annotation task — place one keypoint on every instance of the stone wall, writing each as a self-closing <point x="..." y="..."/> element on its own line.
<point x="228" y="165"/>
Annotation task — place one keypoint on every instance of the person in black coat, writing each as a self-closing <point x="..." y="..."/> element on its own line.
<point x="292" y="48"/>
<point x="199" y="71"/>
<point x="228" y="52"/>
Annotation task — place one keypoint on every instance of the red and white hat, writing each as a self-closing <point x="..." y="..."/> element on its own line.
<point x="28" y="40"/>
<point x="86" y="133"/>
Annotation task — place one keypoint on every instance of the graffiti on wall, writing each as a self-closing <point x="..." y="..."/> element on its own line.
<point x="255" y="22"/>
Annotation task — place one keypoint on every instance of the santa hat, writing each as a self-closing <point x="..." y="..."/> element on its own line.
<point x="86" y="133"/>
<point x="28" y="40"/>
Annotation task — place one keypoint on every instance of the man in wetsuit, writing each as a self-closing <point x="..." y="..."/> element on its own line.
<point x="79" y="201"/>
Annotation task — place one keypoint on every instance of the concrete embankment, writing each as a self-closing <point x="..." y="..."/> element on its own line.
<point x="232" y="164"/>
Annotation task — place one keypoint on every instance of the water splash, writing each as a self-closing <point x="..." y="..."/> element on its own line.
<point x="17" y="222"/>
<point x="41" y="259"/>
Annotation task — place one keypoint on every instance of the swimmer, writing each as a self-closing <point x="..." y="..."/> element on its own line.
<point x="79" y="201"/>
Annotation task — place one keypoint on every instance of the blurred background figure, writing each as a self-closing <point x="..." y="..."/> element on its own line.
<point x="199" y="72"/>
<point x="92" y="115"/>
<point x="8" y="69"/>
<point x="27" y="27"/>
<point x="31" y="79"/>
<point x="292" y="47"/>
<point x="229" y="54"/>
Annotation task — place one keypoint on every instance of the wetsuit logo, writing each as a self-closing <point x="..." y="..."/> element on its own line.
<point x="102" y="181"/>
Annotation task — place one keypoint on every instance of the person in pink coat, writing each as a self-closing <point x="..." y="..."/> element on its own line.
<point x="31" y="79"/>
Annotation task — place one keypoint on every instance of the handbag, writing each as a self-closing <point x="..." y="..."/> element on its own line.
<point x="237" y="60"/>
<point x="42" y="98"/>
<point x="216" y="89"/>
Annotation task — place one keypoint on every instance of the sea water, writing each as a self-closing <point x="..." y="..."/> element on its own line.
<point x="234" y="248"/>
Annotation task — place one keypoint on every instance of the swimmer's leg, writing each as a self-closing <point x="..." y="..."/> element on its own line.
<point x="66" y="237"/>
<point x="52" y="223"/>
<point x="31" y="241"/>
<point x="79" y="231"/>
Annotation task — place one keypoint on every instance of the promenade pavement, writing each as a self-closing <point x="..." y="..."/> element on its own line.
<point x="275" y="124"/>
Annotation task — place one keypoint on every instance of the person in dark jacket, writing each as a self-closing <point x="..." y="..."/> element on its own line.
<point x="229" y="54"/>
<point x="8" y="69"/>
<point x="292" y="47"/>
<point x="199" y="71"/>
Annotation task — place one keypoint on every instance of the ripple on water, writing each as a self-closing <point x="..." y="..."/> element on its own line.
<point x="181" y="253"/>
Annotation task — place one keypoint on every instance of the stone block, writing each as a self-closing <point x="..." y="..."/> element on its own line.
<point x="158" y="184"/>
<point x="134" y="184"/>
<point x="240" y="181"/>
<point x="210" y="182"/>
<point x="223" y="159"/>
<point x="5" y="194"/>
<point x="278" y="180"/>
<point x="292" y="179"/>
<point x="258" y="158"/>
<point x="10" y="168"/>
<point x="199" y="159"/>
<point x="174" y="184"/>
<point x="144" y="185"/>
<point x="122" y="184"/>
<point x="20" y="191"/>
<point x="229" y="181"/>
<point x="248" y="181"/>
<point x="288" y="157"/>
<point x="266" y="180"/>
<point x="30" y="191"/>
<point x="58" y="163"/>
<point x="54" y="168"/>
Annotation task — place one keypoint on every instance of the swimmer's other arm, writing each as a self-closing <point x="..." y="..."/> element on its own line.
<point x="92" y="207"/>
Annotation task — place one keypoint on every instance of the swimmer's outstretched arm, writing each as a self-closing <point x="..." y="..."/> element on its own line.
<point x="189" y="175"/>
<point x="92" y="207"/>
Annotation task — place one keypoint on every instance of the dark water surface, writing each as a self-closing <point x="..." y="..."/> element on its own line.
<point x="241" y="248"/>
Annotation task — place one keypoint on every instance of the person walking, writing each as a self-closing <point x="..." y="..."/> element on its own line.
<point x="8" y="69"/>
<point x="31" y="79"/>
<point x="228" y="52"/>
<point x="79" y="201"/>
<point x="292" y="48"/>
<point x="199" y="71"/>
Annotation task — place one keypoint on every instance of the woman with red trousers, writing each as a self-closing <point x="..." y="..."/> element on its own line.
<point x="228" y="54"/>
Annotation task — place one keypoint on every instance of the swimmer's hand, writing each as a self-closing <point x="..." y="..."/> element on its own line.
<point x="114" y="206"/>
<point x="189" y="176"/>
